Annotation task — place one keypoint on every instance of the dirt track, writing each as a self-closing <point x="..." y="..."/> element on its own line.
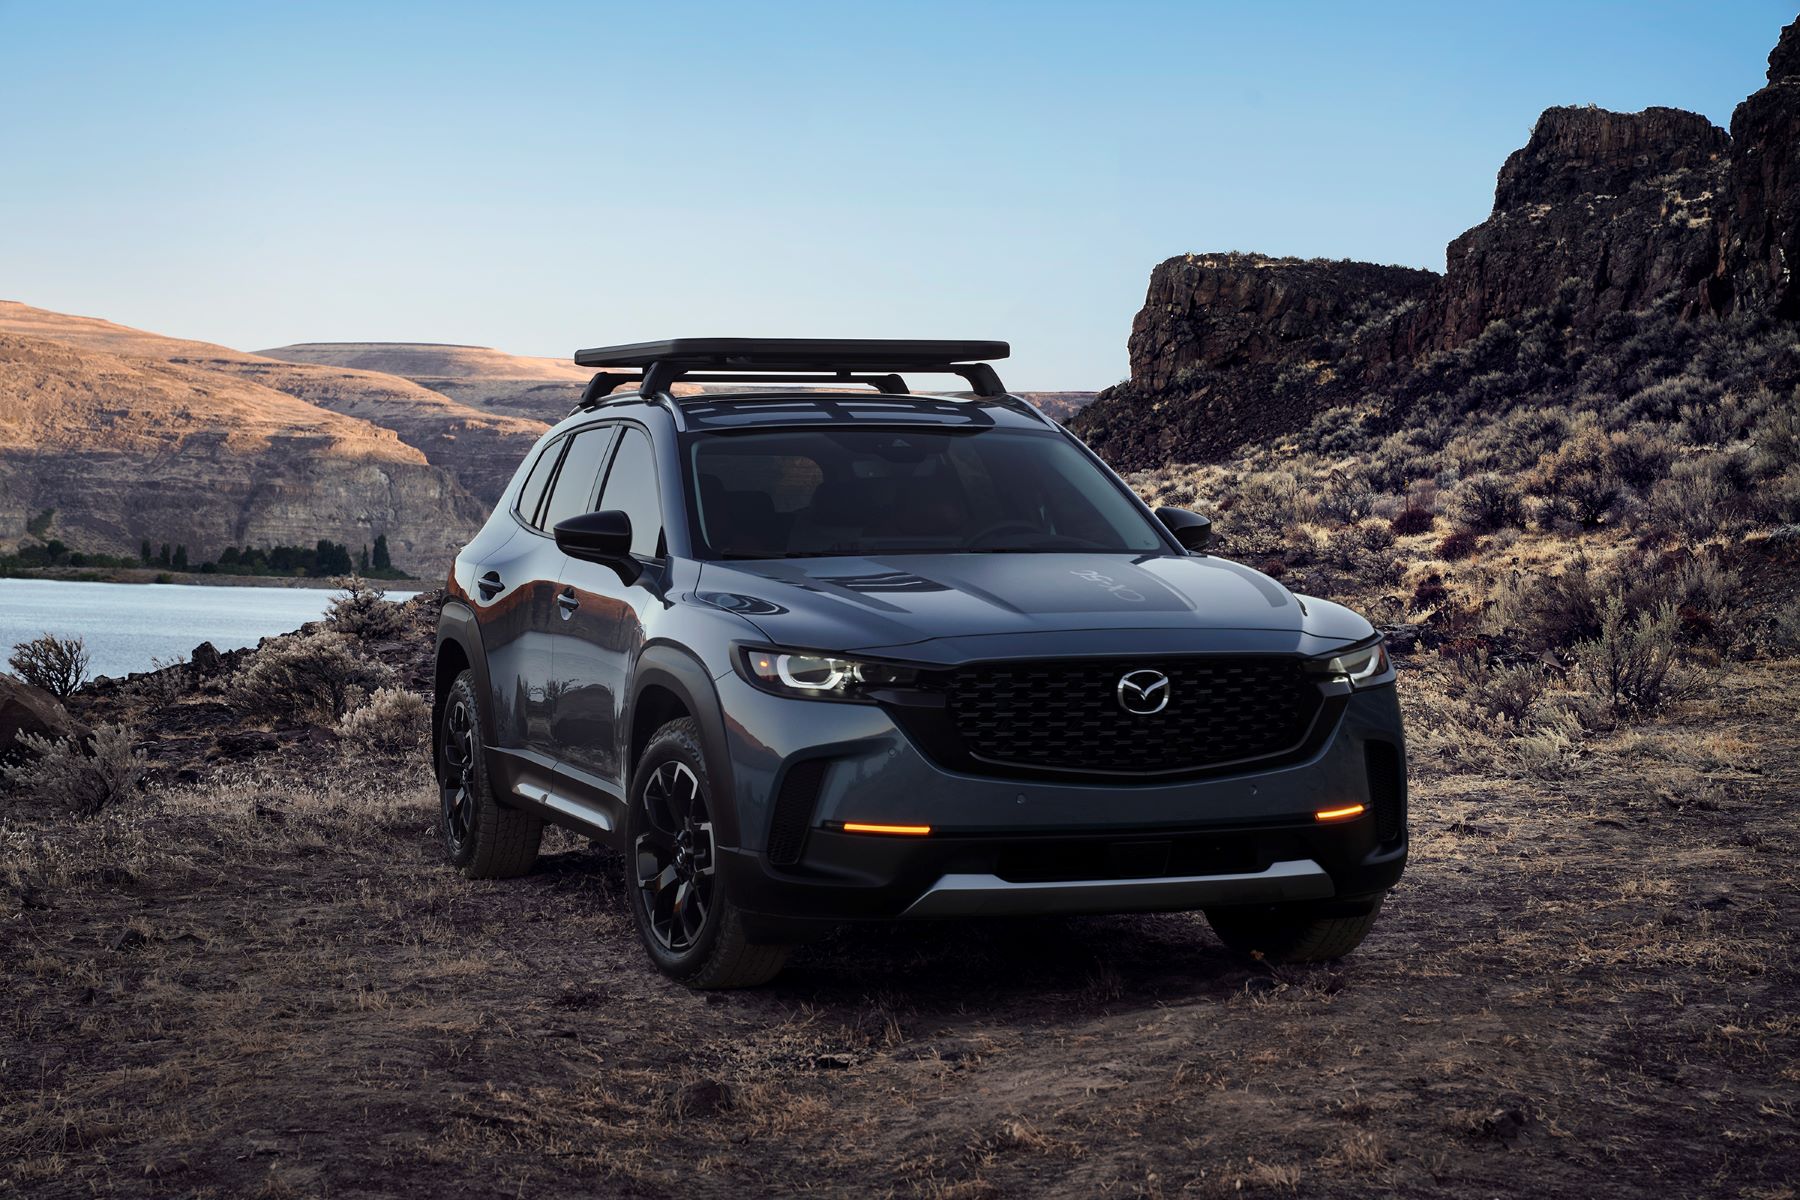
<point x="1585" y="987"/>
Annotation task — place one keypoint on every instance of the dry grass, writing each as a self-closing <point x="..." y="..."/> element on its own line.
<point x="1584" y="986"/>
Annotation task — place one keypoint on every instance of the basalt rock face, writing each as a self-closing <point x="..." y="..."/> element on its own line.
<point x="1620" y="203"/>
<point x="1237" y="346"/>
<point x="1598" y="213"/>
<point x="1760" y="232"/>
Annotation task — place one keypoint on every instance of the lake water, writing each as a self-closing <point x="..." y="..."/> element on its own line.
<point x="125" y="625"/>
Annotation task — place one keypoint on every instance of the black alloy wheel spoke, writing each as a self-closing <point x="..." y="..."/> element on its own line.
<point x="675" y="856"/>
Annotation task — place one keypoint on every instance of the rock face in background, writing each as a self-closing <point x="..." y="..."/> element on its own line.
<point x="1246" y="342"/>
<point x="128" y="448"/>
<point x="1760" y="228"/>
<point x="1604" y="212"/>
<point x="1619" y="202"/>
<point x="477" y="448"/>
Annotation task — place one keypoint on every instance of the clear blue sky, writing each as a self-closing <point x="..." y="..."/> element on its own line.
<point x="545" y="176"/>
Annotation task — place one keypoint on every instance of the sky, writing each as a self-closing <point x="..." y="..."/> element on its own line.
<point x="545" y="176"/>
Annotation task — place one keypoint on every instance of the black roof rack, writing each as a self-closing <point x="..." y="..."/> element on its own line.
<point x="777" y="360"/>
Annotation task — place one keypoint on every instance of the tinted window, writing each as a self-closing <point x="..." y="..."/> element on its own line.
<point x="573" y="492"/>
<point x="795" y="493"/>
<point x="631" y="488"/>
<point x="533" y="492"/>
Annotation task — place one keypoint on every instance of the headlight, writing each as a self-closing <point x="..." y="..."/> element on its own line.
<point x="1362" y="666"/>
<point x="819" y="676"/>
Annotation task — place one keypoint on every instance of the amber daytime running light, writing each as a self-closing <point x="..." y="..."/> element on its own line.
<point x="908" y="830"/>
<point x="1339" y="814"/>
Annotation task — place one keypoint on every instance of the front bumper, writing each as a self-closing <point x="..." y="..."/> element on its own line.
<point x="1009" y="846"/>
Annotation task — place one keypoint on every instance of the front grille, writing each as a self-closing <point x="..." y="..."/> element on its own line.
<point x="1387" y="789"/>
<point x="794" y="805"/>
<point x="1066" y="715"/>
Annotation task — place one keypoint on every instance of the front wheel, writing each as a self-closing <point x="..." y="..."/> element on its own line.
<point x="1292" y="933"/>
<point x="688" y="925"/>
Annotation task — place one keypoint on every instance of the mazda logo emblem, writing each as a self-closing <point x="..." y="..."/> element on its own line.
<point x="1143" y="692"/>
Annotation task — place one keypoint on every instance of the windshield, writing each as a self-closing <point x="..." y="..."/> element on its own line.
<point x="811" y="493"/>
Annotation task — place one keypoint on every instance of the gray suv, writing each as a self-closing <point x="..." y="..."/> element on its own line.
<point x="839" y="652"/>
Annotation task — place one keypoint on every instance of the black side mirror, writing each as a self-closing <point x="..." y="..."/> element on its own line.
<point x="1191" y="529"/>
<point x="600" y="537"/>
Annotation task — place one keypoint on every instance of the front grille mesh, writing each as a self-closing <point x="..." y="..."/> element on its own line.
<point x="794" y="805"/>
<point x="1066" y="715"/>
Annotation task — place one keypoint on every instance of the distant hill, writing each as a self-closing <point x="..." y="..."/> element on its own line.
<point x="479" y="449"/>
<point x="1600" y="218"/>
<point x="119" y="448"/>
<point x="542" y="389"/>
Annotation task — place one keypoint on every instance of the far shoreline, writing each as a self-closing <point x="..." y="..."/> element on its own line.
<point x="160" y="575"/>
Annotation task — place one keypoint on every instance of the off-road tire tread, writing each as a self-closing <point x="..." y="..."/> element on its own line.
<point x="733" y="961"/>
<point x="1292" y="937"/>
<point x="506" y="838"/>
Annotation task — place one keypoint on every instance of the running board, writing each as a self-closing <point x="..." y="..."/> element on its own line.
<point x="574" y="809"/>
<point x="991" y="896"/>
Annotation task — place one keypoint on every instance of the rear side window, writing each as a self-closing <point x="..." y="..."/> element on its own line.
<point x="531" y="496"/>
<point x="631" y="488"/>
<point x="573" y="492"/>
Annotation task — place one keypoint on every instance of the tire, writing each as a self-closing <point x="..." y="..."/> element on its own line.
<point x="689" y="926"/>
<point x="1292" y="933"/>
<point x="483" y="838"/>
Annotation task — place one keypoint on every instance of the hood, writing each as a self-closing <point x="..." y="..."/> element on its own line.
<point x="861" y="603"/>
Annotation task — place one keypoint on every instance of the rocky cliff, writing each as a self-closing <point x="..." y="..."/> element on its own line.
<point x="477" y="448"/>
<point x="120" y="449"/>
<point x="1599" y="213"/>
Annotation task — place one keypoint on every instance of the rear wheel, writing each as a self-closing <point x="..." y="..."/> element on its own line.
<point x="1292" y="933"/>
<point x="688" y="925"/>
<point x="483" y="838"/>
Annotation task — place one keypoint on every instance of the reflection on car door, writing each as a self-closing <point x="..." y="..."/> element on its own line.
<point x="603" y="629"/>
<point x="515" y="604"/>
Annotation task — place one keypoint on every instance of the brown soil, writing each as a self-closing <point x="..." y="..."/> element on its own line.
<point x="1585" y="986"/>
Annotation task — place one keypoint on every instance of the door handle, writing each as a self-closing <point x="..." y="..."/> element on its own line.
<point x="489" y="585"/>
<point x="568" y="602"/>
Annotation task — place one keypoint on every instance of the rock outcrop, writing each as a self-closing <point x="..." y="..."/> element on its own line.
<point x="1759" y="234"/>
<point x="1598" y="213"/>
<point x="26" y="709"/>
<point x="477" y="448"/>
<point x="126" y="448"/>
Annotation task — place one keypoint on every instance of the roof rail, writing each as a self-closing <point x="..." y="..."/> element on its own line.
<point x="743" y="360"/>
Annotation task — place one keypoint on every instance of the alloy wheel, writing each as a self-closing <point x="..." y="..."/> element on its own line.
<point x="674" y="856"/>
<point x="457" y="776"/>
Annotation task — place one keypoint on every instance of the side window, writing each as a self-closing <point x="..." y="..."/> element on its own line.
<point x="532" y="494"/>
<point x="631" y="488"/>
<point x="573" y="492"/>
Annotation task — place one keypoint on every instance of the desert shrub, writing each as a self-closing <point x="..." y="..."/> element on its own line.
<point x="1411" y="520"/>
<point x="64" y="777"/>
<point x="391" y="722"/>
<point x="1639" y="457"/>
<point x="1346" y="498"/>
<point x="1508" y="693"/>
<point x="58" y="665"/>
<point x="1457" y="545"/>
<point x="1550" y="612"/>
<point x="1777" y="439"/>
<point x="314" y="675"/>
<point x="1486" y="502"/>
<point x="361" y="609"/>
<point x="1429" y="592"/>
<point x="1635" y="663"/>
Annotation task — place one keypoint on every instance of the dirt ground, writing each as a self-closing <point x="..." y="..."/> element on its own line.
<point x="1585" y="986"/>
